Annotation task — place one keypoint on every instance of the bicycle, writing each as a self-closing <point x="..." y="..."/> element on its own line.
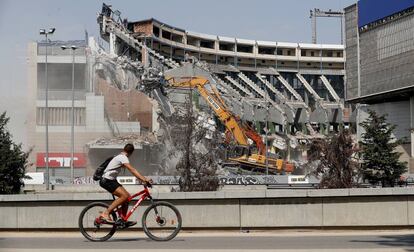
<point x="161" y="221"/>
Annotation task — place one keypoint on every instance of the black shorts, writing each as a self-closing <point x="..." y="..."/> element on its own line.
<point x="109" y="185"/>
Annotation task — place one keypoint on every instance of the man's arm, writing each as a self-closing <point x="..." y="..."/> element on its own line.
<point x="136" y="173"/>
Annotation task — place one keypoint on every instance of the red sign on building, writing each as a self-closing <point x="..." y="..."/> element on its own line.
<point x="57" y="160"/>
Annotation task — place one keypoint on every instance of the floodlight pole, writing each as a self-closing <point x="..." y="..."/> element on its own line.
<point x="44" y="32"/>
<point x="72" y="132"/>
<point x="47" y="120"/>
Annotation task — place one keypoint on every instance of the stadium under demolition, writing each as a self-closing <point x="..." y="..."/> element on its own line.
<point x="256" y="104"/>
<point x="224" y="105"/>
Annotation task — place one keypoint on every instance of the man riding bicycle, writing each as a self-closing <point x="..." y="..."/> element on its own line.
<point x="109" y="182"/>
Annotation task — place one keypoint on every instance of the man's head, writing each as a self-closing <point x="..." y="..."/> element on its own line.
<point x="128" y="149"/>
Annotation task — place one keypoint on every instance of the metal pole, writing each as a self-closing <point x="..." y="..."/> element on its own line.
<point x="342" y="30"/>
<point x="313" y="16"/>
<point x="73" y="119"/>
<point x="47" y="120"/>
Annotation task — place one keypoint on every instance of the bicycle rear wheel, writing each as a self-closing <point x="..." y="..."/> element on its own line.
<point x="161" y="221"/>
<point x="90" y="226"/>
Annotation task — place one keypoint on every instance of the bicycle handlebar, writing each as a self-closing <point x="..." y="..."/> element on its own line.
<point x="147" y="185"/>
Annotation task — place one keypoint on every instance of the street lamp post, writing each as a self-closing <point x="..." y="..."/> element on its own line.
<point x="49" y="32"/>
<point x="72" y="132"/>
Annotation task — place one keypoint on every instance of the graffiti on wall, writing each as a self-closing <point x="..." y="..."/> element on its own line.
<point x="238" y="180"/>
<point x="224" y="180"/>
<point x="84" y="180"/>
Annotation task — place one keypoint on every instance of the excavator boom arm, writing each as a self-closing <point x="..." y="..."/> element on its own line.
<point x="218" y="106"/>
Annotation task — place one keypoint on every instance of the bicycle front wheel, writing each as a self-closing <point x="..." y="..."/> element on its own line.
<point x="161" y="221"/>
<point x="90" y="226"/>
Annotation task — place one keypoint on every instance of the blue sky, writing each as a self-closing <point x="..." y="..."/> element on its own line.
<point x="274" y="20"/>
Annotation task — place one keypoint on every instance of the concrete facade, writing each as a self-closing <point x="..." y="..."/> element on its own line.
<point x="88" y="108"/>
<point x="380" y="73"/>
<point x="101" y="111"/>
<point x="175" y="43"/>
<point x="374" y="207"/>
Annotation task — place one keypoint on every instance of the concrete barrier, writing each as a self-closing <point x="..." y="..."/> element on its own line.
<point x="370" y="207"/>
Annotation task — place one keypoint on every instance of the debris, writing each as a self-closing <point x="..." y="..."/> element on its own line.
<point x="137" y="140"/>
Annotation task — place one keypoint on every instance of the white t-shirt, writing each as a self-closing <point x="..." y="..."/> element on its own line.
<point x="113" y="168"/>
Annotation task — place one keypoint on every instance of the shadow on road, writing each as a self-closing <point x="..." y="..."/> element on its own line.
<point x="126" y="239"/>
<point x="401" y="241"/>
<point x="140" y="239"/>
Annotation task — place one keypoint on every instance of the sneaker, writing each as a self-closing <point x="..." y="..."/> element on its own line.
<point x="130" y="223"/>
<point x="105" y="220"/>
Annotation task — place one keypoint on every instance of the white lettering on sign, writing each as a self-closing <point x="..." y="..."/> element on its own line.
<point x="127" y="180"/>
<point x="298" y="179"/>
<point x="63" y="161"/>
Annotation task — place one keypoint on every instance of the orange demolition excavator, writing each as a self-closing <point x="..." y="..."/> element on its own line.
<point x="235" y="129"/>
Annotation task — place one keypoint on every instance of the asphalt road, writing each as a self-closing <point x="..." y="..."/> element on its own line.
<point x="217" y="241"/>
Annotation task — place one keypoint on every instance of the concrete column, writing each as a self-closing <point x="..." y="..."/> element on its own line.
<point x="235" y="54"/>
<point x="112" y="44"/>
<point x="216" y="45"/>
<point x="297" y="53"/>
<point x="255" y="49"/>
<point x="276" y="57"/>
<point x="185" y="38"/>
<point x="144" y="56"/>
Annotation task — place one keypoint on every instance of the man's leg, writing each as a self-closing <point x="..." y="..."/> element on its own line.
<point x="122" y="195"/>
<point x="125" y="208"/>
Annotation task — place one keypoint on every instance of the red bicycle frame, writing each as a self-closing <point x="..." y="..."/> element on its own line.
<point x="144" y="195"/>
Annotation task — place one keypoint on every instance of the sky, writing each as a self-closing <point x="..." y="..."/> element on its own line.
<point x="20" y="21"/>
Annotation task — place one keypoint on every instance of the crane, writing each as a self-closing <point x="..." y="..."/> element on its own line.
<point x="329" y="13"/>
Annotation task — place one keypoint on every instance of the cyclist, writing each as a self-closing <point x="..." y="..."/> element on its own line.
<point x="109" y="182"/>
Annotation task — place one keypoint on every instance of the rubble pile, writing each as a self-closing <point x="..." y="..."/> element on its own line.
<point x="136" y="139"/>
<point x="119" y="71"/>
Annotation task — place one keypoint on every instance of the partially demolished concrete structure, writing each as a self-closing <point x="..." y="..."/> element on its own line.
<point x="295" y="87"/>
<point x="292" y="91"/>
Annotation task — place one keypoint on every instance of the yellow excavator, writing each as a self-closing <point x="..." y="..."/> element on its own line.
<point x="240" y="132"/>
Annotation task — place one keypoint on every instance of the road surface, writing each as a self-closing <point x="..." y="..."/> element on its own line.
<point x="285" y="240"/>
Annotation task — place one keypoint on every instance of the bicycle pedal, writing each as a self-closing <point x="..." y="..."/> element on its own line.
<point x="120" y="225"/>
